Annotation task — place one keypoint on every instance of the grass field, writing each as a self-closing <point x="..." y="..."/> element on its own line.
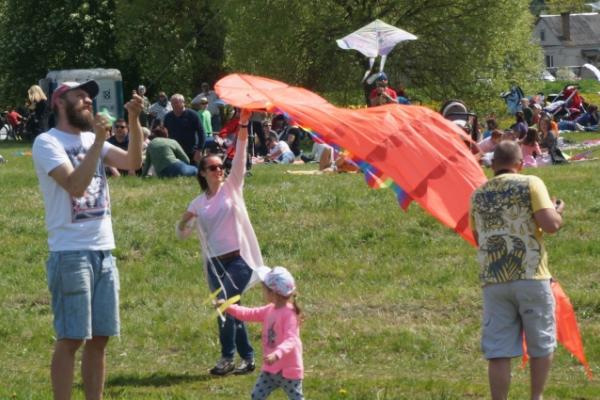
<point x="392" y="299"/>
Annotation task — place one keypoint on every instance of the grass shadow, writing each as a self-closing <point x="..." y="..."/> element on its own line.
<point x="155" y="379"/>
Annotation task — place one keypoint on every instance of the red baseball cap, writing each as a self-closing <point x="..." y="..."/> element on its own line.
<point x="90" y="87"/>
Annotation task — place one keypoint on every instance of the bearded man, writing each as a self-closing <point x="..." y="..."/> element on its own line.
<point x="82" y="275"/>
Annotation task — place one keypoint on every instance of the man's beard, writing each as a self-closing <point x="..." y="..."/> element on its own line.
<point x="78" y="118"/>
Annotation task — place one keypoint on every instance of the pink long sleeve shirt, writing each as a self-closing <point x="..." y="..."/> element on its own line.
<point x="280" y="336"/>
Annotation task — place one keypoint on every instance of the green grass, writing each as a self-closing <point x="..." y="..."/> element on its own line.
<point x="391" y="298"/>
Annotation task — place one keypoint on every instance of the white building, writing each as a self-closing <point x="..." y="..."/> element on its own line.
<point x="569" y="40"/>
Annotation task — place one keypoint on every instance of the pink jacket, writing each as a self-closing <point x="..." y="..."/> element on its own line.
<point x="280" y="335"/>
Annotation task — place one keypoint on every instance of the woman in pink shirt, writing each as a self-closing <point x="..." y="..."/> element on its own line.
<point x="282" y="348"/>
<point x="228" y="242"/>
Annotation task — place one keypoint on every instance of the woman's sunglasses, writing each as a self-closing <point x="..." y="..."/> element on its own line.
<point x="215" y="167"/>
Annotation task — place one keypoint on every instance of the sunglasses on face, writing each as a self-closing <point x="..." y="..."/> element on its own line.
<point x="121" y="126"/>
<point x="215" y="167"/>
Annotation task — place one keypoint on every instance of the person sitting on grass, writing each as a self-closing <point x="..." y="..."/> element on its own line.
<point x="120" y="139"/>
<point x="588" y="121"/>
<point x="282" y="348"/>
<point x="549" y="140"/>
<point x="520" y="126"/>
<point x="488" y="145"/>
<point x="530" y="147"/>
<point x="166" y="156"/>
<point x="279" y="150"/>
<point x="491" y="125"/>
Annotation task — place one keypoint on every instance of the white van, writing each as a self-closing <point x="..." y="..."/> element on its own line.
<point x="109" y="97"/>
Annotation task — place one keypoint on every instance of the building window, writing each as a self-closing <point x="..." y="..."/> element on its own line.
<point x="549" y="61"/>
<point x="542" y="35"/>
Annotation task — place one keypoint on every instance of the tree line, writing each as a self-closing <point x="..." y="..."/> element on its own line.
<point x="468" y="49"/>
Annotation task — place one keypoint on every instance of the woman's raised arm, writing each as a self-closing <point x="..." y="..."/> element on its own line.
<point x="238" y="166"/>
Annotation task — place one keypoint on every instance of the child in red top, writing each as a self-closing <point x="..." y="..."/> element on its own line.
<point x="14" y="118"/>
<point x="282" y="348"/>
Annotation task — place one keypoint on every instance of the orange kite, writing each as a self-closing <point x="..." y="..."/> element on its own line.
<point x="423" y="153"/>
<point x="417" y="148"/>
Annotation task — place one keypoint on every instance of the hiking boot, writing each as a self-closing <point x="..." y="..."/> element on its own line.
<point x="223" y="367"/>
<point x="245" y="367"/>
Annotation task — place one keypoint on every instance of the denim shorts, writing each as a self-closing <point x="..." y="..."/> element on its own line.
<point x="513" y="308"/>
<point x="85" y="293"/>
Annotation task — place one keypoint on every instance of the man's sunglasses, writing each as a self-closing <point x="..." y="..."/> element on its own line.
<point x="215" y="167"/>
<point x="121" y="126"/>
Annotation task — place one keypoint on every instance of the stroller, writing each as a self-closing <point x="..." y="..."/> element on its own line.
<point x="456" y="111"/>
<point x="568" y="104"/>
<point x="513" y="99"/>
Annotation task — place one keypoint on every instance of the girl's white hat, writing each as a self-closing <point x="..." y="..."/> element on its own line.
<point x="277" y="279"/>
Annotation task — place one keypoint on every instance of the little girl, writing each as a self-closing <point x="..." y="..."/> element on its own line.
<point x="530" y="148"/>
<point x="282" y="348"/>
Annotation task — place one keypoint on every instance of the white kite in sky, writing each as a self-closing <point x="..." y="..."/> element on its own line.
<point x="375" y="39"/>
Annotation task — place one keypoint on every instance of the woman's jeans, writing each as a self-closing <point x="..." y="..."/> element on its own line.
<point x="234" y="275"/>
<point x="178" y="168"/>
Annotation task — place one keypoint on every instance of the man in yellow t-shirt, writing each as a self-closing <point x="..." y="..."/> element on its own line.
<point x="508" y="215"/>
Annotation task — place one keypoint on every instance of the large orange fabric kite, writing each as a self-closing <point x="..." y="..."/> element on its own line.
<point x="417" y="148"/>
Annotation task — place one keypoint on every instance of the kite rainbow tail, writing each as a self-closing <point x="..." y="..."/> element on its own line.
<point x="374" y="178"/>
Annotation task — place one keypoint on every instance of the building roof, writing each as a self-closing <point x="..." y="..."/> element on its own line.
<point x="585" y="28"/>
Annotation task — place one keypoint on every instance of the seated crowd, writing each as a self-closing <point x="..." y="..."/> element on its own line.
<point x="537" y="129"/>
<point x="177" y="136"/>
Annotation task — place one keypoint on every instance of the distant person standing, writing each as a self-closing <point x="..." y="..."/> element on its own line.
<point x="37" y="104"/>
<point x="159" y="109"/>
<point x="200" y="106"/>
<point x="141" y="91"/>
<point x="382" y="93"/>
<point x="184" y="126"/>
<point x="82" y="274"/>
<point x="508" y="215"/>
<point x="214" y="106"/>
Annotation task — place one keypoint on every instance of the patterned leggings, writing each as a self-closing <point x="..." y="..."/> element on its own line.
<point x="267" y="382"/>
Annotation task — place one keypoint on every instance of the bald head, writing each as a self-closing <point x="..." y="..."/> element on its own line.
<point x="507" y="155"/>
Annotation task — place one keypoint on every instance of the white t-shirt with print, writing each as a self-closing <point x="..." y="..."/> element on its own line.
<point x="73" y="223"/>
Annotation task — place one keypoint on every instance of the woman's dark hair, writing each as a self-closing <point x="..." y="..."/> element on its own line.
<point x="201" y="166"/>
<point x="160" y="131"/>
<point x="532" y="137"/>
<point x="491" y="123"/>
<point x="520" y="116"/>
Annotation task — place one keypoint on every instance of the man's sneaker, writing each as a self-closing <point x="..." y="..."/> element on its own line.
<point x="245" y="367"/>
<point x="223" y="367"/>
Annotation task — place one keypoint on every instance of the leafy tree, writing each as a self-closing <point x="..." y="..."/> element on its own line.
<point x="572" y="6"/>
<point x="537" y="6"/>
<point x="469" y="49"/>
<point x="43" y="35"/>
<point x="171" y="45"/>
